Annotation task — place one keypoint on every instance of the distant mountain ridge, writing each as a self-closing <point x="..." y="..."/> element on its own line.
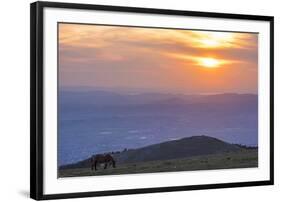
<point x="174" y="149"/>
<point x="106" y="98"/>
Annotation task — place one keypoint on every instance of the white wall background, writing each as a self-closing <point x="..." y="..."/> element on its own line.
<point x="14" y="100"/>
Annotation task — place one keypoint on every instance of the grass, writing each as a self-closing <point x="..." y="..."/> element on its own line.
<point x="245" y="158"/>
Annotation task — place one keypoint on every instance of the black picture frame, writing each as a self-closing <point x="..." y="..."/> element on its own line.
<point x="36" y="98"/>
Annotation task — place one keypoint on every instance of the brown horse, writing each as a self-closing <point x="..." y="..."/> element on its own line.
<point x="100" y="158"/>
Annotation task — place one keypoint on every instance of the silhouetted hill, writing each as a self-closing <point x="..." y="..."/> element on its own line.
<point x="175" y="149"/>
<point x="182" y="148"/>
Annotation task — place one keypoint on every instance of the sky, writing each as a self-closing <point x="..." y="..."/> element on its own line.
<point x="157" y="60"/>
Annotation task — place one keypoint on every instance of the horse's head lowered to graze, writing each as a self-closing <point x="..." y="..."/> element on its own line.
<point x="105" y="159"/>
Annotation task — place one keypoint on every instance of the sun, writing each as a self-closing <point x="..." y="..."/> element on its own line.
<point x="209" y="62"/>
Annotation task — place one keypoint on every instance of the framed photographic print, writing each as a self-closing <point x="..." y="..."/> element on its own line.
<point x="131" y="100"/>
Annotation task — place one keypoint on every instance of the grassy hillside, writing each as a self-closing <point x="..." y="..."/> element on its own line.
<point x="193" y="153"/>
<point x="245" y="158"/>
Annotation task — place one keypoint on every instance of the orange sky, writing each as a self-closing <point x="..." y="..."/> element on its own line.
<point x="157" y="60"/>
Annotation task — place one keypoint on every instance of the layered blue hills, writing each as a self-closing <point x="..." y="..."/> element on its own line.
<point x="101" y="121"/>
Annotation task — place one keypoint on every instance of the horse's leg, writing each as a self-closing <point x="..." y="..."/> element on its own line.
<point x="95" y="165"/>
<point x="92" y="164"/>
<point x="105" y="166"/>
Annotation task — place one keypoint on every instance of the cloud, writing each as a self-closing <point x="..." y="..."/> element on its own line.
<point x="99" y="52"/>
